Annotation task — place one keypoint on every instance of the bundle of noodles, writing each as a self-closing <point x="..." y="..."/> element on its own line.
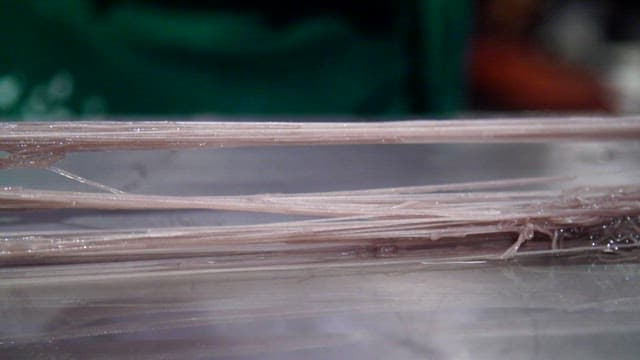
<point x="498" y="219"/>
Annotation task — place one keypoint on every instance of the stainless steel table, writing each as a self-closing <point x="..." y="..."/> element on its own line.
<point x="576" y="308"/>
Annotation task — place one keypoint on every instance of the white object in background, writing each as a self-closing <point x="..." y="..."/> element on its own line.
<point x="624" y="77"/>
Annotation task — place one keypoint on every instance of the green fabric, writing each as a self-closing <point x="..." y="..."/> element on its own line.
<point x="444" y="28"/>
<point x="60" y="58"/>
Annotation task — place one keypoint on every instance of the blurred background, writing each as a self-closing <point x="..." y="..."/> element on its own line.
<point x="375" y="59"/>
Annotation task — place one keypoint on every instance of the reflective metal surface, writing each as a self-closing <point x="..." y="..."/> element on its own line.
<point x="585" y="307"/>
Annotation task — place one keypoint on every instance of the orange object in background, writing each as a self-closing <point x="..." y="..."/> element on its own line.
<point x="509" y="71"/>
<point x="510" y="75"/>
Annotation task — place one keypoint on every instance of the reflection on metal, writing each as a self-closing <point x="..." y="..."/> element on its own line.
<point x="475" y="250"/>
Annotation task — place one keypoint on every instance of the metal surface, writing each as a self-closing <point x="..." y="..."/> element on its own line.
<point x="577" y="308"/>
